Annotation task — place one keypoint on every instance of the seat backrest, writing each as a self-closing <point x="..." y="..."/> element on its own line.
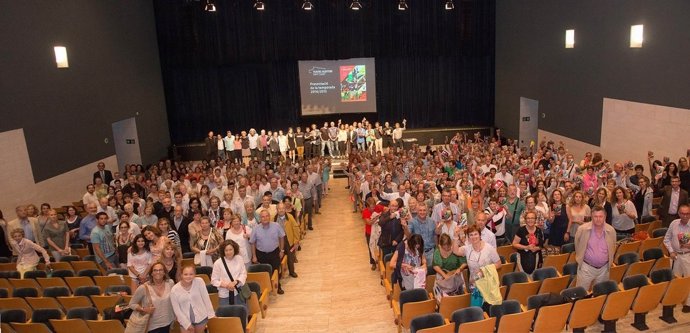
<point x="118" y="288"/>
<point x="204" y="270"/>
<point x="233" y="311"/>
<point x="25" y="292"/>
<point x="635" y="281"/>
<point x="652" y="254"/>
<point x="90" y="257"/>
<point x="35" y="274"/>
<point x="466" y="315"/>
<point x="413" y="295"/>
<point x="544" y="273"/>
<point x="4" y="293"/>
<point x="211" y="289"/>
<point x="255" y="287"/>
<point x="513" y="257"/>
<point x="552" y="318"/>
<point x="257" y="268"/>
<point x="118" y="271"/>
<point x="660" y="232"/>
<point x="574" y="293"/>
<point x="89" y="272"/>
<point x="70" y="258"/>
<point x="570" y="268"/>
<point x="661" y="275"/>
<point x="10" y="274"/>
<point x="45" y="315"/>
<point x="514" y="277"/>
<point x="428" y="320"/>
<point x="507" y="307"/>
<point x="568" y="248"/>
<point x="604" y="288"/>
<point x="13" y="316"/>
<point x="55" y="292"/>
<point x="63" y="273"/>
<point x="82" y="313"/>
<point x="87" y="291"/>
<point x="628" y="258"/>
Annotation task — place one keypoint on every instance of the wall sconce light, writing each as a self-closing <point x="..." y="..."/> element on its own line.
<point x="636" y="35"/>
<point x="570" y="38"/>
<point x="61" y="57"/>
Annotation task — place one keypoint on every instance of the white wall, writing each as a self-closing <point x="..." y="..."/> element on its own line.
<point x="17" y="181"/>
<point x="630" y="129"/>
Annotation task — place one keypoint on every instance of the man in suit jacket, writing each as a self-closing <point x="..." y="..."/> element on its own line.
<point x="292" y="236"/>
<point x="103" y="174"/>
<point x="32" y="230"/>
<point x="673" y="197"/>
<point x="180" y="223"/>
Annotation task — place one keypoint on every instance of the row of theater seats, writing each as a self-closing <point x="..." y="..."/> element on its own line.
<point x="49" y="302"/>
<point x="557" y="274"/>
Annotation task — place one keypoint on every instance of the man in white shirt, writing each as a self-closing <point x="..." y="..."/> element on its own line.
<point x="445" y="204"/>
<point x="402" y="194"/>
<point x="487" y="235"/>
<point x="504" y="175"/>
<point x="487" y="166"/>
<point x="678" y="246"/>
<point x="90" y="195"/>
<point x="229" y="142"/>
<point x="253" y="143"/>
<point x="240" y="199"/>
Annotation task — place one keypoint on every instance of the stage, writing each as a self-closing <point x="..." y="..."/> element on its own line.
<point x="195" y="151"/>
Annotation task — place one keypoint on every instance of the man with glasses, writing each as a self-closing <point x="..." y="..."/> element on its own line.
<point x="677" y="242"/>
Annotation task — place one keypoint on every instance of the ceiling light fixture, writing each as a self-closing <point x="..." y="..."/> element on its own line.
<point x="449" y="5"/>
<point x="402" y="5"/>
<point x="259" y="5"/>
<point x="307" y="5"/>
<point x="355" y="5"/>
<point x="210" y="6"/>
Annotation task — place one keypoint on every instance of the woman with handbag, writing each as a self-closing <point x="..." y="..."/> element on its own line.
<point x="449" y="268"/>
<point x="190" y="302"/>
<point x="205" y="243"/>
<point x="152" y="310"/>
<point x="229" y="274"/>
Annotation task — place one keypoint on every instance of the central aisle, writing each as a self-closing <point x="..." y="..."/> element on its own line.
<point x="336" y="291"/>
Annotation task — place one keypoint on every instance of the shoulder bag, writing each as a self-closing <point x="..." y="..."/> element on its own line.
<point x="139" y="322"/>
<point x="245" y="292"/>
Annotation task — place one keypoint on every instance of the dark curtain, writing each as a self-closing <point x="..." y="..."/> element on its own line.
<point x="237" y="68"/>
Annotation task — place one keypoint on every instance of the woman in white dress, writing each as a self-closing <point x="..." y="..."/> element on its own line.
<point x="240" y="234"/>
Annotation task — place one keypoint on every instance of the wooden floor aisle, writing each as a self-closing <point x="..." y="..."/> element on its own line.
<point x="336" y="291"/>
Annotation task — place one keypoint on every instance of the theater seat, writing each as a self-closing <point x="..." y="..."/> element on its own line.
<point x="412" y="303"/>
<point x="69" y="326"/>
<point x="449" y="304"/>
<point x="585" y="313"/>
<point x="676" y="293"/>
<point x="82" y="313"/>
<point x="507" y="307"/>
<point x="552" y="318"/>
<point x="647" y="299"/>
<point x="30" y="328"/>
<point x="616" y="307"/>
<point x="429" y="320"/>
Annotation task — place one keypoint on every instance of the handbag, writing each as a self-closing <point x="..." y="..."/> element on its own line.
<point x="245" y="292"/>
<point x="200" y="258"/>
<point x="139" y="322"/>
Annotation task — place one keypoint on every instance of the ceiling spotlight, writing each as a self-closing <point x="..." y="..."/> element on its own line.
<point x="355" y="5"/>
<point x="307" y="5"/>
<point x="449" y="5"/>
<point x="402" y="5"/>
<point x="210" y="6"/>
<point x="259" y="5"/>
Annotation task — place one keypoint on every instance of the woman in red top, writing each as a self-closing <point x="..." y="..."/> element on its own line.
<point x="366" y="216"/>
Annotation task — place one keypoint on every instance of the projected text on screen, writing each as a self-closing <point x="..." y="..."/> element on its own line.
<point x="337" y="86"/>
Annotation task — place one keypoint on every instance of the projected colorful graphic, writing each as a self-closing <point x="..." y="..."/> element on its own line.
<point x="353" y="83"/>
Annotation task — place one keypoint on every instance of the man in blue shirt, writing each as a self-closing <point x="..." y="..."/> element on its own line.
<point x="425" y="227"/>
<point x="87" y="224"/>
<point x="267" y="241"/>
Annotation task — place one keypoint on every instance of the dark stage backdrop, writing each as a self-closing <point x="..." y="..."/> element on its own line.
<point x="237" y="68"/>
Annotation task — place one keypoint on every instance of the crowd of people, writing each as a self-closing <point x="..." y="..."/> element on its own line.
<point x="447" y="208"/>
<point x="444" y="209"/>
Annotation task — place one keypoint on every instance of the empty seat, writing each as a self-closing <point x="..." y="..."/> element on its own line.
<point x="449" y="304"/>
<point x="661" y="275"/>
<point x="118" y="289"/>
<point x="428" y="320"/>
<point x="627" y="258"/>
<point x="507" y="307"/>
<point x="4" y="293"/>
<point x="552" y="318"/>
<point x="227" y="318"/>
<point x="412" y="303"/>
<point x="604" y="288"/>
<point x="466" y="315"/>
<point x="676" y="293"/>
<point x="556" y="260"/>
<point x="616" y="273"/>
<point x="44" y="316"/>
<point x="69" y="326"/>
<point x="514" y="277"/>
<point x="648" y="298"/>
<point x="72" y="302"/>
<point x="574" y="293"/>
<point x="204" y="270"/>
<point x="82" y="313"/>
<point x="585" y="312"/>
<point x="616" y="307"/>
<point x="520" y="322"/>
<point x="51" y="282"/>
<point x="110" y="326"/>
<point x="31" y="328"/>
<point x="652" y="254"/>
